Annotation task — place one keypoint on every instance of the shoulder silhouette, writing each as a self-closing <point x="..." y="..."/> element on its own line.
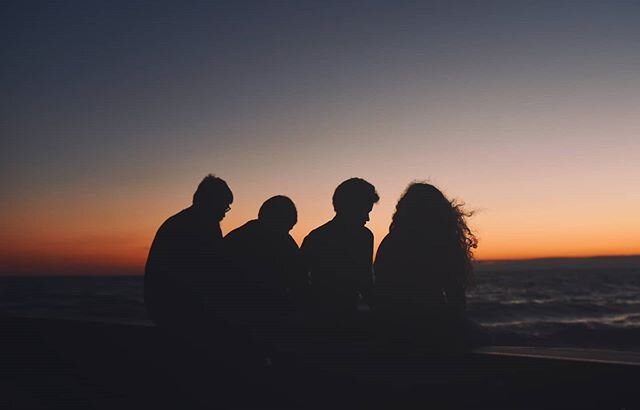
<point x="338" y="255"/>
<point x="186" y="249"/>
<point x="423" y="266"/>
<point x="267" y="258"/>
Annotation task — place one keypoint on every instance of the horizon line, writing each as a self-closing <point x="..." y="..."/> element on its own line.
<point x="128" y="272"/>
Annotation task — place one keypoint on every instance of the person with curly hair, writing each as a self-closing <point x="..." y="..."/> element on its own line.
<point x="423" y="268"/>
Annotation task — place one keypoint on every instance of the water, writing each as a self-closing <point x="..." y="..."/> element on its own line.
<point x="101" y="298"/>
<point x="595" y="308"/>
<point x="588" y="306"/>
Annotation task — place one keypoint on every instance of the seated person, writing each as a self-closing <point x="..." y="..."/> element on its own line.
<point x="423" y="268"/>
<point x="266" y="257"/>
<point x="339" y="254"/>
<point x="185" y="254"/>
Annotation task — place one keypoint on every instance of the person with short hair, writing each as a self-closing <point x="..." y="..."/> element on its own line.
<point x="339" y="254"/>
<point x="267" y="258"/>
<point x="185" y="252"/>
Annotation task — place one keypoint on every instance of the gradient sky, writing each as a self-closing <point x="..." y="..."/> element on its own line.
<point x="112" y="112"/>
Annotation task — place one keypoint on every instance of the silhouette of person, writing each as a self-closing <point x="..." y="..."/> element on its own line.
<point x="185" y="253"/>
<point x="267" y="258"/>
<point x="339" y="254"/>
<point x="423" y="266"/>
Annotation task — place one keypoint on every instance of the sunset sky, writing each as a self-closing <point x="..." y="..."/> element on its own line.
<point x="112" y="112"/>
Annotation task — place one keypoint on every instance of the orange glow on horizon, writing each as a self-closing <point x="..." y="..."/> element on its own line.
<point x="95" y="254"/>
<point x="529" y="115"/>
<point x="109" y="232"/>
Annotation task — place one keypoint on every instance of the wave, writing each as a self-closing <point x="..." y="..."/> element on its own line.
<point x="569" y="334"/>
<point x="590" y="308"/>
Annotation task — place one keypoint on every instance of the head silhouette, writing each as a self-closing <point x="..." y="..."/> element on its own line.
<point x="213" y="196"/>
<point x="278" y="213"/>
<point x="425" y="215"/>
<point x="353" y="199"/>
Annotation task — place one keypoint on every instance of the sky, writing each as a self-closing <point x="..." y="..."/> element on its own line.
<point x="112" y="112"/>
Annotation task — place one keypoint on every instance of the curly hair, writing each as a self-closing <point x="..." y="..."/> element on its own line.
<point x="423" y="210"/>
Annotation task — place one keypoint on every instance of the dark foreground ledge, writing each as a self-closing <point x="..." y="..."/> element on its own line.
<point x="49" y="363"/>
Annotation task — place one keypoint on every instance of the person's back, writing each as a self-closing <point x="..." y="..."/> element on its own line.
<point x="423" y="267"/>
<point x="417" y="274"/>
<point x="267" y="258"/>
<point x="339" y="254"/>
<point x="339" y="259"/>
<point x="184" y="253"/>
